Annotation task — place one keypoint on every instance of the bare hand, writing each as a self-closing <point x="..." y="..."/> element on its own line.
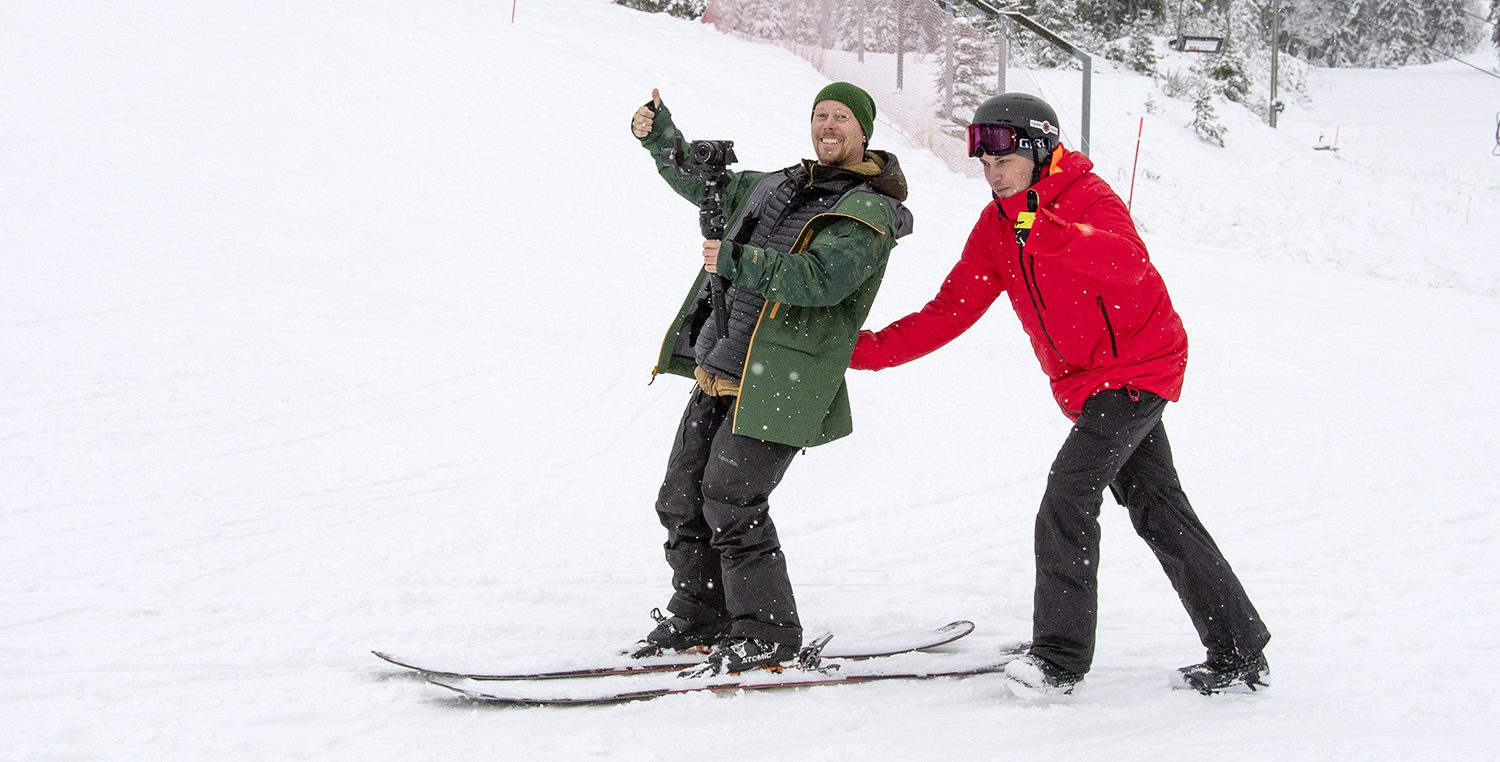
<point x="711" y="256"/>
<point x="645" y="116"/>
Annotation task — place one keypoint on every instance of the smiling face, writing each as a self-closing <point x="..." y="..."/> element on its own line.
<point x="838" y="140"/>
<point x="1009" y="174"/>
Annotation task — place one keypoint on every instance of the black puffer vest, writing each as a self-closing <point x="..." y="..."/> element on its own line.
<point x="777" y="210"/>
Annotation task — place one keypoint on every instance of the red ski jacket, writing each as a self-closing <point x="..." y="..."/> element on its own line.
<point x="1096" y="310"/>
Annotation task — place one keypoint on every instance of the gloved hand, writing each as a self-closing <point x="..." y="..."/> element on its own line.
<point x="645" y="116"/>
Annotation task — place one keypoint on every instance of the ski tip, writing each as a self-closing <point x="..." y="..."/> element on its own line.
<point x="957" y="627"/>
<point x="385" y="657"/>
<point x="398" y="661"/>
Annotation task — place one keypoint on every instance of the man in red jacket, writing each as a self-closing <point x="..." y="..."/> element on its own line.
<point x="1061" y="244"/>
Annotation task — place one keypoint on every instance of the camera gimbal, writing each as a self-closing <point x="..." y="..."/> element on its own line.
<point x="708" y="161"/>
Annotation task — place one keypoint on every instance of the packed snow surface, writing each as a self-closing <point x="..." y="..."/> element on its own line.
<point x="327" y="327"/>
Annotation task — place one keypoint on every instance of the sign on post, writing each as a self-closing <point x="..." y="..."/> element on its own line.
<point x="1195" y="44"/>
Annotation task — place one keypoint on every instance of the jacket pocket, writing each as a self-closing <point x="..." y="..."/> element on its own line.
<point x="1109" y="327"/>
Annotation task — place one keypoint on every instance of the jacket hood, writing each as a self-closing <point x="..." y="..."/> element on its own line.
<point x="879" y="168"/>
<point x="1070" y="161"/>
<point x="890" y="180"/>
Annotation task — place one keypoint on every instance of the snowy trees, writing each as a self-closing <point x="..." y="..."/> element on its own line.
<point x="1373" y="33"/>
<point x="970" y="76"/>
<point x="1325" y="32"/>
<point x="687" y="9"/>
<point x="954" y="47"/>
<point x="1227" y="70"/>
<point x="1141" y="55"/>
<point x="1495" y="19"/>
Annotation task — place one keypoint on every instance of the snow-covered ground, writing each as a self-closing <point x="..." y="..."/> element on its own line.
<point x="327" y="327"/>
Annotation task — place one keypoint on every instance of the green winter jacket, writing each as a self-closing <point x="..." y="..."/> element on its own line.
<point x="817" y="294"/>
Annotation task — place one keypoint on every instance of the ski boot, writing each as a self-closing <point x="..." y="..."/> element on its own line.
<point x="1225" y="674"/>
<point x="1031" y="676"/>
<point x="739" y="654"/>
<point x="677" y="633"/>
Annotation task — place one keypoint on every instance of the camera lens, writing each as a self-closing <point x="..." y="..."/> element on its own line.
<point x="706" y="152"/>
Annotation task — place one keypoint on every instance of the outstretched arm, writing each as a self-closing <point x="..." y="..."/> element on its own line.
<point x="652" y="125"/>
<point x="970" y="288"/>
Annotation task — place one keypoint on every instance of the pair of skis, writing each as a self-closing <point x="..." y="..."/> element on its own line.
<point x="900" y="656"/>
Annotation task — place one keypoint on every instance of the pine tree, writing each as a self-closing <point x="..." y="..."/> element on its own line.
<point x="1495" y="19"/>
<point x="927" y="26"/>
<point x="1345" y="42"/>
<point x="804" y="23"/>
<point x="1381" y="32"/>
<point x="765" y="19"/>
<point x="1227" y="69"/>
<point x="880" y="25"/>
<point x="1057" y="16"/>
<point x="1447" y="29"/>
<point x="850" y="26"/>
<point x="1103" y="17"/>
<point x="1402" y="43"/>
<point x="1205" y="120"/>
<point x="974" y="70"/>
<point x="1142" y="54"/>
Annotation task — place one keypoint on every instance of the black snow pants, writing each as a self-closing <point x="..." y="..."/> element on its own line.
<point x="726" y="559"/>
<point x="1120" y="442"/>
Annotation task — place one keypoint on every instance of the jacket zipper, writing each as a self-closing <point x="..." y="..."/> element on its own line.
<point x="1114" y="348"/>
<point x="734" y="421"/>
<point x="1032" y="260"/>
<point x="1035" y="294"/>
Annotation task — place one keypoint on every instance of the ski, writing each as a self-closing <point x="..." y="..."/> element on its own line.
<point x="906" y="666"/>
<point x="615" y="663"/>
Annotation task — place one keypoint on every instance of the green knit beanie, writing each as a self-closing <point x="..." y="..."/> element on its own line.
<point x="859" y="102"/>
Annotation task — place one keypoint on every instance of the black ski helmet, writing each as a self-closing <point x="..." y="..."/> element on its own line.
<point x="1032" y="118"/>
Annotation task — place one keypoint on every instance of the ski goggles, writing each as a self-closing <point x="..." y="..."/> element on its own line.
<point x="999" y="140"/>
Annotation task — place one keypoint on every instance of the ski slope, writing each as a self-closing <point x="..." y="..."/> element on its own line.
<point x="328" y="327"/>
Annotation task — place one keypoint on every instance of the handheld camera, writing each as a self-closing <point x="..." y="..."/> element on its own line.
<point x="708" y="160"/>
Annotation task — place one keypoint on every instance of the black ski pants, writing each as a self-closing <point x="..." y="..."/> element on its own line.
<point x="1120" y="442"/>
<point x="721" y="544"/>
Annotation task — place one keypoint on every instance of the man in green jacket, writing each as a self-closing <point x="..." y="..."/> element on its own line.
<point x="801" y="258"/>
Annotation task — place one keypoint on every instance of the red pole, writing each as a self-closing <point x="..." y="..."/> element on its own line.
<point x="1138" y="130"/>
<point x="512" y="11"/>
